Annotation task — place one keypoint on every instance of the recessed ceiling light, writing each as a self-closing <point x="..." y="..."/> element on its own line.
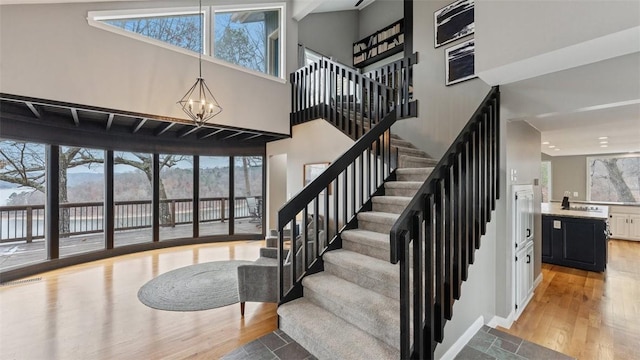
<point x="545" y="143"/>
<point x="603" y="137"/>
<point x="604" y="142"/>
<point x="556" y="149"/>
<point x="551" y="146"/>
<point x="604" y="145"/>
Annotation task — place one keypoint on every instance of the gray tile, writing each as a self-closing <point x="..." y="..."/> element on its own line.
<point x="469" y="353"/>
<point x="311" y="357"/>
<point x="272" y="341"/>
<point x="255" y="346"/>
<point x="292" y="351"/>
<point x="506" y="345"/>
<point x="481" y="341"/>
<point x="535" y="351"/>
<point x="285" y="337"/>
<point x="504" y="335"/>
<point x="237" y="354"/>
<point x="501" y="354"/>
<point x="486" y="328"/>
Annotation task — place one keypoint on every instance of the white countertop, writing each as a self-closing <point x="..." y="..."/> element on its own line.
<point x="596" y="212"/>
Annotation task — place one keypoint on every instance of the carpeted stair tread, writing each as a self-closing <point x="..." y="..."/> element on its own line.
<point x="377" y="221"/>
<point x="327" y="336"/>
<point x="366" y="309"/>
<point x="370" y="273"/>
<point x="399" y="200"/>
<point x="414" y="171"/>
<point x="413" y="174"/>
<point x="367" y="242"/>
<point x="390" y="204"/>
<point x="403" y="185"/>
<point x="402" y="143"/>
<point x="406" y="151"/>
<point x="414" y="161"/>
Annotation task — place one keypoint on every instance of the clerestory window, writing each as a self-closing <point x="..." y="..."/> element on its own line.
<point x="250" y="38"/>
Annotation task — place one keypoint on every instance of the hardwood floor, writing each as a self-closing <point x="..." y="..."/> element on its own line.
<point x="585" y="314"/>
<point x="91" y="311"/>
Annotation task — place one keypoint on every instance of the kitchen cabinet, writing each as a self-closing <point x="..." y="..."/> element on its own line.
<point x="523" y="225"/>
<point x="524" y="272"/>
<point x="579" y="243"/>
<point x="625" y="226"/>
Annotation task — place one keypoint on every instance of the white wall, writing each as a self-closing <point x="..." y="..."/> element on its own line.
<point x="443" y="110"/>
<point x="277" y="187"/>
<point x="331" y="34"/>
<point x="379" y="14"/>
<point x="523" y="156"/>
<point x="478" y="293"/>
<point x="312" y="142"/>
<point x="50" y="52"/>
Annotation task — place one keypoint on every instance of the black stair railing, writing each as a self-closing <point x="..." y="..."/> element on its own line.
<point x="311" y="222"/>
<point x="351" y="101"/>
<point x="441" y="228"/>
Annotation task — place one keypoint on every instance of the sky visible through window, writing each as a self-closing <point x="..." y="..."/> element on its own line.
<point x="178" y="30"/>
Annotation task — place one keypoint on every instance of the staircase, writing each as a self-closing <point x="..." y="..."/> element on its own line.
<point x="350" y="310"/>
<point x="385" y="235"/>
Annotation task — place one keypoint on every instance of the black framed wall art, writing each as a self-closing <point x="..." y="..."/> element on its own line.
<point x="459" y="62"/>
<point x="454" y="21"/>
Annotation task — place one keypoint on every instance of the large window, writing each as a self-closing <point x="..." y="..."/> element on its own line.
<point x="248" y="37"/>
<point x="176" y="197"/>
<point x="132" y="192"/>
<point x="81" y="195"/>
<point x="84" y="187"/>
<point x="22" y="203"/>
<point x="248" y="194"/>
<point x="613" y="178"/>
<point x="214" y="195"/>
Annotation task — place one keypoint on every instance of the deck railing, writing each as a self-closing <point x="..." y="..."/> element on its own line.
<point x="26" y="222"/>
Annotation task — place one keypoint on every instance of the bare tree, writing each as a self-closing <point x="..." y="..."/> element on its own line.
<point x="616" y="179"/>
<point x="247" y="163"/>
<point x="23" y="164"/>
<point x="144" y="162"/>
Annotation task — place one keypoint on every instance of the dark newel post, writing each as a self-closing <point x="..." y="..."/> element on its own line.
<point x="109" y="203"/>
<point x="52" y="212"/>
<point x="232" y="195"/>
<point x="408" y="28"/>
<point x="196" y="196"/>
<point x="156" y="198"/>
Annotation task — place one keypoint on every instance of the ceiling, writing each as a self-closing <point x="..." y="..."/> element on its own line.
<point x="573" y="108"/>
<point x="139" y="127"/>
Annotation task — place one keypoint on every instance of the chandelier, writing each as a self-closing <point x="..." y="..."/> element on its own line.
<point x="199" y="103"/>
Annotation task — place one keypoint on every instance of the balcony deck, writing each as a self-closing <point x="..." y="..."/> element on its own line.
<point x="21" y="253"/>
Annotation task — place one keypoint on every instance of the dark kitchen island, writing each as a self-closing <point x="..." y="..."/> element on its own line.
<point x="576" y="237"/>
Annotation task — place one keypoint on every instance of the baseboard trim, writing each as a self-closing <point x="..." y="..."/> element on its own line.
<point x="537" y="282"/>
<point x="463" y="340"/>
<point x="502" y="322"/>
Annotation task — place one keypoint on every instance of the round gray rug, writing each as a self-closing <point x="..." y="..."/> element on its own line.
<point x="195" y="287"/>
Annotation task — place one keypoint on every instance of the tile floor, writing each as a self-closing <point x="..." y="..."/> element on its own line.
<point x="491" y="344"/>
<point x="486" y="344"/>
<point x="274" y="346"/>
